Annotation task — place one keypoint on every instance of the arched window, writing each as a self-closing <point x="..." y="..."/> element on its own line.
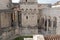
<point x="22" y="9"/>
<point x="49" y="21"/>
<point x="42" y="21"/>
<point x="30" y="9"/>
<point x="38" y="21"/>
<point x="54" y="22"/>
<point x="26" y="17"/>
<point x="45" y="22"/>
<point x="26" y="0"/>
<point x="26" y="9"/>
<point x="35" y="9"/>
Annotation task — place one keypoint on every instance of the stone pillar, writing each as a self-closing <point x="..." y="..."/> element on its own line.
<point x="47" y="25"/>
<point x="0" y="20"/>
<point x="44" y="21"/>
<point x="58" y="26"/>
<point x="13" y="22"/>
<point x="4" y="36"/>
<point x="16" y="18"/>
<point x="52" y="24"/>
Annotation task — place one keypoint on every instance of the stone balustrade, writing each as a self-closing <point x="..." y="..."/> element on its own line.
<point x="52" y="37"/>
<point x="41" y="37"/>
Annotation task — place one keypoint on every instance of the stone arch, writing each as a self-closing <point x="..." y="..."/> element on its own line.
<point x="26" y="0"/>
<point x="40" y="24"/>
<point x="45" y="23"/>
<point x="42" y="20"/>
<point x="54" y="22"/>
<point x="49" y="21"/>
<point x="34" y="9"/>
<point x="22" y="9"/>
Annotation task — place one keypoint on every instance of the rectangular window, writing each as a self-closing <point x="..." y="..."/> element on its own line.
<point x="12" y="19"/>
<point x="49" y="22"/>
<point x="19" y="19"/>
<point x="38" y="21"/>
<point x="26" y="17"/>
<point x="26" y="0"/>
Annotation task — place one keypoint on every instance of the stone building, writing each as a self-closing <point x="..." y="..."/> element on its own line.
<point x="28" y="18"/>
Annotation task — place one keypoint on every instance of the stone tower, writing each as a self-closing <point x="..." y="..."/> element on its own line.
<point x="30" y="11"/>
<point x="4" y="4"/>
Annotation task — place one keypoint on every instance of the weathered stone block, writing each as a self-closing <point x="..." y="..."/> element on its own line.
<point x="28" y="38"/>
<point x="38" y="37"/>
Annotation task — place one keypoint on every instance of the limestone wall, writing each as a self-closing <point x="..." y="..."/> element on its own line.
<point x="22" y="0"/>
<point x="28" y="6"/>
<point x="28" y="31"/>
<point x="28" y="0"/>
<point x="31" y="21"/>
<point x="5" y="20"/>
<point x="29" y="14"/>
<point x="4" y="4"/>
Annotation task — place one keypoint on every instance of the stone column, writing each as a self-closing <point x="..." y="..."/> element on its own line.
<point x="44" y="21"/>
<point x="47" y="25"/>
<point x="52" y="24"/>
<point x="0" y="20"/>
<point x="58" y="26"/>
<point x="13" y="22"/>
<point x="4" y="36"/>
<point x="13" y="17"/>
<point x="16" y="18"/>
